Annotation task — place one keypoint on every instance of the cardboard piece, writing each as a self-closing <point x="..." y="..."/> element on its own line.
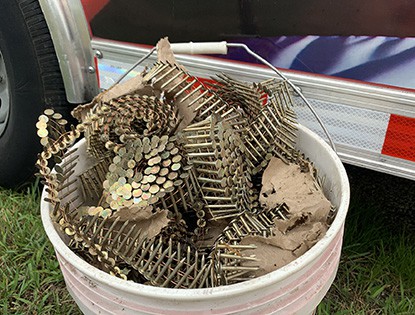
<point x="307" y="219"/>
<point x="150" y="223"/>
<point x="282" y="183"/>
<point x="164" y="51"/>
<point x="185" y="113"/>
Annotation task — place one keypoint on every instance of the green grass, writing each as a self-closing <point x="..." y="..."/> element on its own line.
<point x="377" y="266"/>
<point x="30" y="279"/>
<point x="376" y="273"/>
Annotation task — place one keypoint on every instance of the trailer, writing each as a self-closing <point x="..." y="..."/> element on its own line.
<point x="368" y="105"/>
<point x="53" y="53"/>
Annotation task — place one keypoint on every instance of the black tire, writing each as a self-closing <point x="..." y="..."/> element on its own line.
<point x="34" y="83"/>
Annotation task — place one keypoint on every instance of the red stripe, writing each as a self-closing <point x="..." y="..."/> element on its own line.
<point x="400" y="138"/>
<point x="92" y="7"/>
<point x="205" y="82"/>
<point x="97" y="70"/>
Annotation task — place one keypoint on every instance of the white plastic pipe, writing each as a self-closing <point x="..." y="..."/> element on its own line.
<point x="219" y="48"/>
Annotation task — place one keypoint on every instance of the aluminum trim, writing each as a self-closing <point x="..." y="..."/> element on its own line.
<point x="377" y="162"/>
<point x="69" y="30"/>
<point x="375" y="97"/>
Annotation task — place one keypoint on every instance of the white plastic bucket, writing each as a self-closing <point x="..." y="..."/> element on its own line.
<point x="296" y="288"/>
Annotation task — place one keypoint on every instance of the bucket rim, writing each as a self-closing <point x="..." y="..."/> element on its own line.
<point x="259" y="283"/>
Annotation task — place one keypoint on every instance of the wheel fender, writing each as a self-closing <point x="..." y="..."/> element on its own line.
<point x="72" y="41"/>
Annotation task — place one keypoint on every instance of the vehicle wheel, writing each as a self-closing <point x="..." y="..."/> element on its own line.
<point x="30" y="81"/>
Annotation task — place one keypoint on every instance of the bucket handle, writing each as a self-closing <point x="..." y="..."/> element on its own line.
<point x="222" y="48"/>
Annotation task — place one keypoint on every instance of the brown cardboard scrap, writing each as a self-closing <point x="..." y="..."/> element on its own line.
<point x="186" y="113"/>
<point x="150" y="223"/>
<point x="269" y="256"/>
<point x="132" y="86"/>
<point x="164" y="51"/>
<point x="307" y="219"/>
<point x="280" y="249"/>
<point x="282" y="183"/>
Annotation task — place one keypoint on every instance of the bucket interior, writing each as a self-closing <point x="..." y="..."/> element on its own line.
<point x="336" y="188"/>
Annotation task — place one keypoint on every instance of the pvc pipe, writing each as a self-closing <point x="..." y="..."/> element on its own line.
<point x="219" y="48"/>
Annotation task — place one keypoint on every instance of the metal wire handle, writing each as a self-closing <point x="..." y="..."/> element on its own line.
<point x="292" y="85"/>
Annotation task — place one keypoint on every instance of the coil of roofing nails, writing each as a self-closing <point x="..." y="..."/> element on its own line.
<point x="187" y="196"/>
